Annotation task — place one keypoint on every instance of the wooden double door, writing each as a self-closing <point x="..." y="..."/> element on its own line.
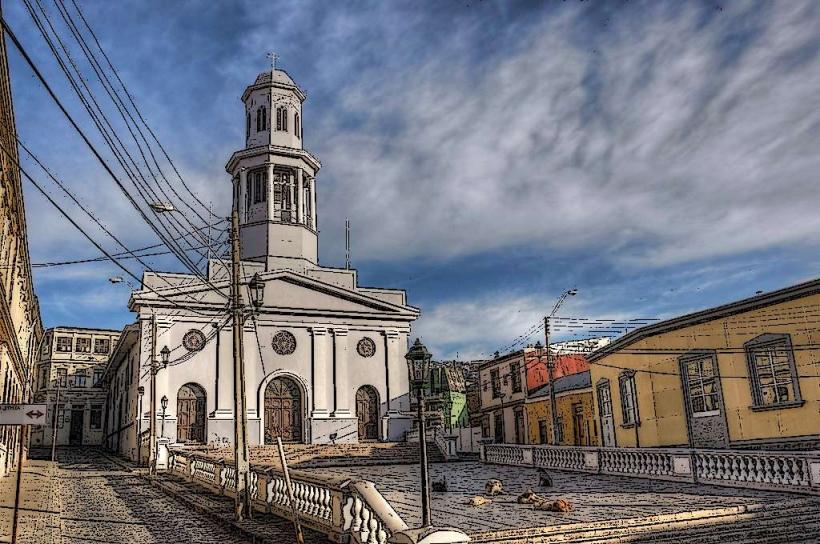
<point x="191" y="414"/>
<point x="283" y="411"/>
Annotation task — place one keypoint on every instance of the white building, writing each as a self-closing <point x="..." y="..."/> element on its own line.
<point x="68" y="379"/>
<point x="324" y="357"/>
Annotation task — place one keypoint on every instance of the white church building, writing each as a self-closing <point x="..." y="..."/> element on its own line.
<point x="324" y="357"/>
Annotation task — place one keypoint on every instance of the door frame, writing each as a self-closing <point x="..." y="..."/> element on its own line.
<point x="605" y="383"/>
<point x="81" y="425"/>
<point x="696" y="355"/>
<point x="373" y="396"/>
<point x="194" y="386"/>
<point x="307" y="402"/>
<point x="303" y="421"/>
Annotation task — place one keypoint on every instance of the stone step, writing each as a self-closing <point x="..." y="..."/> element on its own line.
<point x="772" y="518"/>
<point x="768" y="522"/>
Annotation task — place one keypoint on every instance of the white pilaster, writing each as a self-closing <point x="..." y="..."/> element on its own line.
<point x="397" y="379"/>
<point x="300" y="195"/>
<point x="340" y="378"/>
<point x="322" y="378"/>
<point x="313" y="203"/>
<point x="269" y="192"/>
<point x="292" y="202"/>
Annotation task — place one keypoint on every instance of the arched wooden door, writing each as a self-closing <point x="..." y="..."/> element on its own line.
<point x="191" y="414"/>
<point x="283" y="411"/>
<point x="367" y="410"/>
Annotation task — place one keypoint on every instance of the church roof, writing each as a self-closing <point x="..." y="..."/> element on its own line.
<point x="279" y="76"/>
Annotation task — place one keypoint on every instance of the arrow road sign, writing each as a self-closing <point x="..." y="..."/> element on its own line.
<point x="22" y="414"/>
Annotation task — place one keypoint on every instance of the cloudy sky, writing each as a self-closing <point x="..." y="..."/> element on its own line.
<point x="662" y="157"/>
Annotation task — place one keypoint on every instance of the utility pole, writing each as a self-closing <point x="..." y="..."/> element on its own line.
<point x="551" y="362"/>
<point x="152" y="421"/>
<point x="242" y="504"/>
<point x="54" y="422"/>
<point x="550" y="369"/>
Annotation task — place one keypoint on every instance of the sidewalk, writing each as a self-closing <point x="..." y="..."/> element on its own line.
<point x="39" y="515"/>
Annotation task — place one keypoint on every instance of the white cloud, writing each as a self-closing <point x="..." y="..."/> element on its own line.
<point x="676" y="155"/>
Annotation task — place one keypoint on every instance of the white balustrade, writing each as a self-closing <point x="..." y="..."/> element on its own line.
<point x="504" y="454"/>
<point x="795" y="471"/>
<point x="368" y="516"/>
<point x="776" y="469"/>
<point x="558" y="457"/>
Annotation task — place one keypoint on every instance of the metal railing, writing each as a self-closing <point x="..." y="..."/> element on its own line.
<point x="773" y="470"/>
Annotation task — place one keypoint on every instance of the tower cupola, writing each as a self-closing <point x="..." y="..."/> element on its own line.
<point x="274" y="177"/>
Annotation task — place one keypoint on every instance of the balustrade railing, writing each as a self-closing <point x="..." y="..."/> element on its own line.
<point x="780" y="470"/>
<point x="335" y="506"/>
<point x="504" y="454"/>
<point x="767" y="468"/>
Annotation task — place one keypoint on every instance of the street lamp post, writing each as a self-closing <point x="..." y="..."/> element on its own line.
<point x="152" y="432"/>
<point x="551" y="363"/>
<point x="141" y="392"/>
<point x="164" y="403"/>
<point x="418" y="364"/>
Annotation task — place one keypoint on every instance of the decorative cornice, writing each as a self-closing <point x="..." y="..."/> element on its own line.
<point x="292" y="152"/>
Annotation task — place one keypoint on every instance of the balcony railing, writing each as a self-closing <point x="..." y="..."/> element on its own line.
<point x="774" y="470"/>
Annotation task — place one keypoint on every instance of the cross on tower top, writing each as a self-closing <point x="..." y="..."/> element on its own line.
<point x="273" y="58"/>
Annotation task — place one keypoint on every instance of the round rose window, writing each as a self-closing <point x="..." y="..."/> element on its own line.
<point x="284" y="343"/>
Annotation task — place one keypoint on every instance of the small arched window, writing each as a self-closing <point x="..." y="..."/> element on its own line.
<point x="279" y="118"/>
<point x="296" y="126"/>
<point x="258" y="119"/>
<point x="247" y="125"/>
<point x="285" y="119"/>
<point x="264" y="117"/>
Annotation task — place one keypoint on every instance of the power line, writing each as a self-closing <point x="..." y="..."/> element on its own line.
<point x="136" y="109"/>
<point x="104" y="126"/>
<point x="97" y="245"/>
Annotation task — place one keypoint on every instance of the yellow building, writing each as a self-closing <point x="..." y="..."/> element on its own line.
<point x="741" y="375"/>
<point x="574" y="406"/>
<point x="20" y="325"/>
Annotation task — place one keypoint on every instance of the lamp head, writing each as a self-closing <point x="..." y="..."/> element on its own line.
<point x="165" y="355"/>
<point x="164" y="402"/>
<point x="257" y="289"/>
<point x="418" y="364"/>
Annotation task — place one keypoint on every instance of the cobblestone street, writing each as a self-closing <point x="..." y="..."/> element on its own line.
<point x="101" y="501"/>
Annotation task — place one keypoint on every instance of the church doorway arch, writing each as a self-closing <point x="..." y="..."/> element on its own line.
<point x="283" y="411"/>
<point x="367" y="411"/>
<point x="191" y="414"/>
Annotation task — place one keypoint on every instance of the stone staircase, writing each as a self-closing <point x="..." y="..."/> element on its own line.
<point x="796" y="521"/>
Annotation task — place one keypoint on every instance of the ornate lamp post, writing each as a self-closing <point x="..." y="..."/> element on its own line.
<point x="164" y="403"/>
<point x="165" y="355"/>
<point x="418" y="364"/>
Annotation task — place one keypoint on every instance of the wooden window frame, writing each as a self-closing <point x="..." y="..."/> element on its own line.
<point x="769" y="342"/>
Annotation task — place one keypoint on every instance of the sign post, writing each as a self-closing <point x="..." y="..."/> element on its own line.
<point x="22" y="414"/>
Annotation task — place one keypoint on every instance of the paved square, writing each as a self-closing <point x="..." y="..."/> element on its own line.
<point x="594" y="497"/>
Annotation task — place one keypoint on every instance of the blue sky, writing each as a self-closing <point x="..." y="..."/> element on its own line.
<point x="659" y="156"/>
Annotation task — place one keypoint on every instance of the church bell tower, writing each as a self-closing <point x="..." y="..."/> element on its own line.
<point x="274" y="177"/>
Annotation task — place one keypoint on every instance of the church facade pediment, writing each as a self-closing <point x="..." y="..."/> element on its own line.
<point x="285" y="292"/>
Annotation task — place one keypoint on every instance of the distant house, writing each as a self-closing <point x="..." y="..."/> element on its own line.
<point x="575" y="409"/>
<point x="68" y="379"/>
<point x="741" y="375"/>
